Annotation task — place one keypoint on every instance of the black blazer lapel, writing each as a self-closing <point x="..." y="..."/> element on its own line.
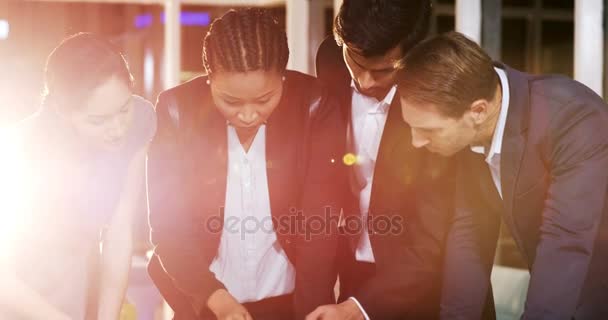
<point x="285" y="133"/>
<point x="396" y="155"/>
<point x="209" y="161"/>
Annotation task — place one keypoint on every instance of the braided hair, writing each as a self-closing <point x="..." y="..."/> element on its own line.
<point x="245" y="40"/>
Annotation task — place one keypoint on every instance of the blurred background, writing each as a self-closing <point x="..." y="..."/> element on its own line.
<point x="162" y="40"/>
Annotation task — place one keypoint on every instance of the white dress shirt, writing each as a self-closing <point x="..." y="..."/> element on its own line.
<point x="250" y="262"/>
<point x="493" y="155"/>
<point x="368" y="117"/>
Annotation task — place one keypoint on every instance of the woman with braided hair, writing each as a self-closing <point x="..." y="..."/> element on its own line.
<point x="243" y="160"/>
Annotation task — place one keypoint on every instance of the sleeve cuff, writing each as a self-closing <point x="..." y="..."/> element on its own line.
<point x="360" y="308"/>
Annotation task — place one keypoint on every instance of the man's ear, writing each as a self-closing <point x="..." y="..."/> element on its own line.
<point x="479" y="111"/>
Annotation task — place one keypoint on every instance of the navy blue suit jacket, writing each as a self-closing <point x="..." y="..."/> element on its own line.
<point x="554" y="181"/>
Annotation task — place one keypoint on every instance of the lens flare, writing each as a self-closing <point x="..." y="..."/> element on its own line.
<point x="349" y="159"/>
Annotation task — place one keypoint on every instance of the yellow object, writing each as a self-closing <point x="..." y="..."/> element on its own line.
<point x="349" y="159"/>
<point x="128" y="312"/>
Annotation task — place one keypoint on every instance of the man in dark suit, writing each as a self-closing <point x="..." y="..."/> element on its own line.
<point x="383" y="275"/>
<point x="534" y="151"/>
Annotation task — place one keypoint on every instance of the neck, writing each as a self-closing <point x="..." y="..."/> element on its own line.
<point x="246" y="137"/>
<point x="486" y="129"/>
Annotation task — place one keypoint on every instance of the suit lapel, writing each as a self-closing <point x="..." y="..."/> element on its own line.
<point x="395" y="137"/>
<point x="514" y="141"/>
<point x="209" y="160"/>
<point x="281" y="154"/>
<point x="393" y="153"/>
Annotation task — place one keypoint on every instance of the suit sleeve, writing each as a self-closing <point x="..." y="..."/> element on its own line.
<point x="469" y="255"/>
<point x="177" y="239"/>
<point x="574" y="204"/>
<point x="322" y="198"/>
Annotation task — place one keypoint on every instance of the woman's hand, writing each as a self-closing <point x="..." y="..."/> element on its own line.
<point x="225" y="306"/>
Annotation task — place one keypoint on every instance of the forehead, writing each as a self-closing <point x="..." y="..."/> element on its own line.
<point x="245" y="85"/>
<point x="391" y="59"/>
<point x="108" y="98"/>
<point x="423" y="116"/>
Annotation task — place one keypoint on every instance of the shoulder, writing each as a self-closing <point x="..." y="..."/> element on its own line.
<point x="300" y="81"/>
<point x="144" y="120"/>
<point x="328" y="48"/>
<point x="186" y="91"/>
<point x="329" y="64"/>
<point x="329" y="55"/>
<point x="26" y="140"/>
<point x="567" y="111"/>
<point x="308" y="90"/>
<point x="316" y="100"/>
<point x="33" y="130"/>
<point x="183" y="101"/>
<point x="560" y="93"/>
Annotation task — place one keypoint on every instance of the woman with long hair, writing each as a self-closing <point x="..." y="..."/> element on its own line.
<point x="78" y="174"/>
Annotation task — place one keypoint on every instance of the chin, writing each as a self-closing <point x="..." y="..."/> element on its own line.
<point x="248" y="128"/>
<point x="374" y="93"/>
<point x="443" y="153"/>
<point x="113" y="145"/>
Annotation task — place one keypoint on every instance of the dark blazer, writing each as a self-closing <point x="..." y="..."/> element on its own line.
<point x="554" y="179"/>
<point x="187" y="168"/>
<point x="408" y="263"/>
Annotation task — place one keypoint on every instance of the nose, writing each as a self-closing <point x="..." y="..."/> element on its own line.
<point x="419" y="141"/>
<point x="248" y="116"/>
<point x="116" y="129"/>
<point x="366" y="81"/>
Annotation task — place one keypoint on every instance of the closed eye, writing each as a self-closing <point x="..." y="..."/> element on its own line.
<point x="232" y="103"/>
<point x="97" y="121"/>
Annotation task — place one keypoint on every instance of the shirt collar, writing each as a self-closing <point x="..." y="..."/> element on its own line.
<point x="379" y="106"/>
<point x="256" y="150"/>
<point x="496" y="146"/>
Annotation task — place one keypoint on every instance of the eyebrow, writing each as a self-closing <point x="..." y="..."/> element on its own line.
<point x="265" y="95"/>
<point x="364" y="67"/>
<point x="105" y="116"/>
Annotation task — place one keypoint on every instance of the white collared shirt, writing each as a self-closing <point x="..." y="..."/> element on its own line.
<point x="250" y="261"/>
<point x="493" y="155"/>
<point x="368" y="117"/>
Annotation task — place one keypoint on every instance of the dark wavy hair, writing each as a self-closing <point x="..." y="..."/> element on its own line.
<point x="376" y="26"/>
<point x="78" y="65"/>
